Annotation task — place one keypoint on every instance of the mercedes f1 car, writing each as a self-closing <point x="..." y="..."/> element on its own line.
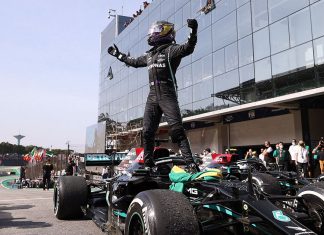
<point x="166" y="199"/>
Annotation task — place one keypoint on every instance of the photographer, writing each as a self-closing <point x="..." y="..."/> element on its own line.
<point x="318" y="152"/>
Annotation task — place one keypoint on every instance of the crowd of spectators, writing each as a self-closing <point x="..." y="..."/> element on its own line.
<point x="138" y="13"/>
<point x="298" y="157"/>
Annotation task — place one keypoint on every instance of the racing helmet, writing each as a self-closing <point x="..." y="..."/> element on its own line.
<point x="161" y="32"/>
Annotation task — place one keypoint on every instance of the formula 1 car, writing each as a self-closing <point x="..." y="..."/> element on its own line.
<point x="141" y="202"/>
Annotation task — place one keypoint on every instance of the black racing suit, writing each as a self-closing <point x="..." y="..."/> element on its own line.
<point x="162" y="63"/>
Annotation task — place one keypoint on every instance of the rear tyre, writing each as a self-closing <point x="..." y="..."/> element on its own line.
<point x="313" y="195"/>
<point x="70" y="193"/>
<point x="161" y="212"/>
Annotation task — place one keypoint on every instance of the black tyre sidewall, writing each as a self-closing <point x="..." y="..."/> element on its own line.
<point x="313" y="195"/>
<point x="163" y="212"/>
<point x="70" y="193"/>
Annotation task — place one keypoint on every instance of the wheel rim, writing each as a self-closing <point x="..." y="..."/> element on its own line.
<point x="136" y="226"/>
<point x="56" y="200"/>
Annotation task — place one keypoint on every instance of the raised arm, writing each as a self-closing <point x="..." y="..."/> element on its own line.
<point x="134" y="62"/>
<point x="188" y="47"/>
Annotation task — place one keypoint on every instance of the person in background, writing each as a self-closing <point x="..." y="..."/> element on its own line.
<point x="318" y="152"/>
<point x="255" y="155"/>
<point x="281" y="156"/>
<point x="267" y="152"/>
<point x="292" y="151"/>
<point x="302" y="159"/>
<point x="105" y="172"/>
<point x="47" y="170"/>
<point x="248" y="154"/>
<point x="70" y="167"/>
<point x="261" y="157"/>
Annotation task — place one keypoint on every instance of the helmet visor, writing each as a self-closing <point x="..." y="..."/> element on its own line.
<point x="160" y="29"/>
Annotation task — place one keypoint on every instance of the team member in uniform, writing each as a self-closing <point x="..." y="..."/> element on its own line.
<point x="47" y="170"/>
<point x="162" y="61"/>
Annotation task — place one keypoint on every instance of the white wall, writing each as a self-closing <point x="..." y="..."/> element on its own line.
<point x="278" y="128"/>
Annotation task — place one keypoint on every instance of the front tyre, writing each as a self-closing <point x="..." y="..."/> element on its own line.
<point x="313" y="195"/>
<point x="161" y="212"/>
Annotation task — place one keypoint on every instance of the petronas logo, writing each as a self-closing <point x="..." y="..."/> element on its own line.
<point x="110" y="74"/>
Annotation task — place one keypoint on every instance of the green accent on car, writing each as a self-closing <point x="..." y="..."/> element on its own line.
<point x="120" y="213"/>
<point x="223" y="210"/>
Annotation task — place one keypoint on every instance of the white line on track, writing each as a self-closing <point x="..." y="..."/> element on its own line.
<point x="26" y="199"/>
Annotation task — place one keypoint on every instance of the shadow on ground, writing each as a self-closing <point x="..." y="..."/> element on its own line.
<point x="8" y="221"/>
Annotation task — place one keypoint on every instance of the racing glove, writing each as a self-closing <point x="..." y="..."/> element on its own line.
<point x="192" y="168"/>
<point x="193" y="24"/>
<point x="114" y="51"/>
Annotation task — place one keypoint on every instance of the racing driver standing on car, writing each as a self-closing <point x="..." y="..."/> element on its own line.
<point x="162" y="61"/>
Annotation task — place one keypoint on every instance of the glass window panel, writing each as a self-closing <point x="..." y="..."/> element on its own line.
<point x="263" y="70"/>
<point x="279" y="36"/>
<point x="207" y="67"/>
<point x="186" y="13"/>
<point x="202" y="69"/>
<point x="182" y="35"/>
<point x="223" y="8"/>
<point x="298" y="58"/>
<point x="155" y="15"/>
<point x="247" y="73"/>
<point x="261" y="44"/>
<point x="319" y="51"/>
<point x="219" y="62"/>
<point x="167" y="9"/>
<point x="195" y="7"/>
<point x="196" y="71"/>
<point x="231" y="57"/>
<point x="312" y="1"/>
<point x="178" y="20"/>
<point x="317" y="10"/>
<point x="204" y="21"/>
<point x="224" y="31"/>
<point x="226" y="81"/>
<point x="282" y="8"/>
<point x="180" y="3"/>
<point x="259" y="14"/>
<point x="185" y="96"/>
<point x="245" y="51"/>
<point x="241" y="2"/>
<point x="204" y="44"/>
<point x="187" y="76"/>
<point x="244" y="21"/>
<point x="203" y="90"/>
<point x="203" y="106"/>
<point x="300" y="27"/>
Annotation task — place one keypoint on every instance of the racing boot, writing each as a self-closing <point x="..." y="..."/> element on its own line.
<point x="148" y="162"/>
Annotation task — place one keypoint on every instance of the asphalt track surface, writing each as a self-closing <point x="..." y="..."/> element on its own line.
<point x="30" y="212"/>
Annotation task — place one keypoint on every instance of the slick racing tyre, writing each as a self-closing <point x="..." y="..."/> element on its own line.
<point x="313" y="195"/>
<point x="70" y="193"/>
<point x="161" y="212"/>
<point x="265" y="184"/>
